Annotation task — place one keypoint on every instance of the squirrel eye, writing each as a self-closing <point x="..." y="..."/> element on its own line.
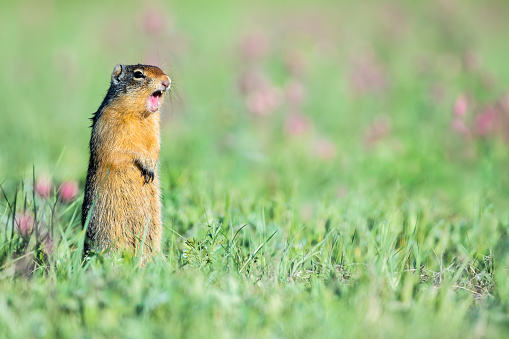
<point x="138" y="75"/>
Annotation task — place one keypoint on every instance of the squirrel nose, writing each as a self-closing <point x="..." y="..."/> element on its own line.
<point x="166" y="83"/>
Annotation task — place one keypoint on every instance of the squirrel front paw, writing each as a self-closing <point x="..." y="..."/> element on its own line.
<point x="146" y="172"/>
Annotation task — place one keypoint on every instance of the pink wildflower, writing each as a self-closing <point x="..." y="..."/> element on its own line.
<point x="486" y="122"/>
<point x="25" y="223"/>
<point x="152" y="21"/>
<point x="367" y="74"/>
<point x="460" y="106"/>
<point x="255" y="46"/>
<point x="43" y="186"/>
<point x="264" y="100"/>
<point x="297" y="124"/>
<point x="68" y="191"/>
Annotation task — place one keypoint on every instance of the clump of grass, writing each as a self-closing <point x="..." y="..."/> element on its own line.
<point x="38" y="230"/>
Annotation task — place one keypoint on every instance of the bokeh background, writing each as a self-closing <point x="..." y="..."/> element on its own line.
<point x="326" y="166"/>
<point x="328" y="96"/>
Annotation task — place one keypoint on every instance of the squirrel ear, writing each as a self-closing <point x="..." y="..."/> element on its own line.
<point x="117" y="72"/>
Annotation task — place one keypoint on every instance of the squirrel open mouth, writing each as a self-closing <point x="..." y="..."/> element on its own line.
<point x="154" y="100"/>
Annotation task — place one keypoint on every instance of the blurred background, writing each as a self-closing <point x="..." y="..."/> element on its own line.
<point x="316" y="98"/>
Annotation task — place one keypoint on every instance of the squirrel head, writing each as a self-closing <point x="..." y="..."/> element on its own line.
<point x="141" y="88"/>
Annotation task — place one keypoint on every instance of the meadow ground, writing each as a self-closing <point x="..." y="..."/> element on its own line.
<point x="328" y="169"/>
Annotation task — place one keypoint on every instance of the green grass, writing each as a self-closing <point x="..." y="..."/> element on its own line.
<point x="376" y="220"/>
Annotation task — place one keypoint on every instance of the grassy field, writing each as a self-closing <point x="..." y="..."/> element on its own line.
<point x="329" y="169"/>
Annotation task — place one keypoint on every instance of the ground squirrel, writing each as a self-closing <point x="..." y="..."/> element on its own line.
<point x="122" y="193"/>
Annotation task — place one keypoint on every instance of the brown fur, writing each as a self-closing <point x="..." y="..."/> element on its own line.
<point x="122" y="194"/>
